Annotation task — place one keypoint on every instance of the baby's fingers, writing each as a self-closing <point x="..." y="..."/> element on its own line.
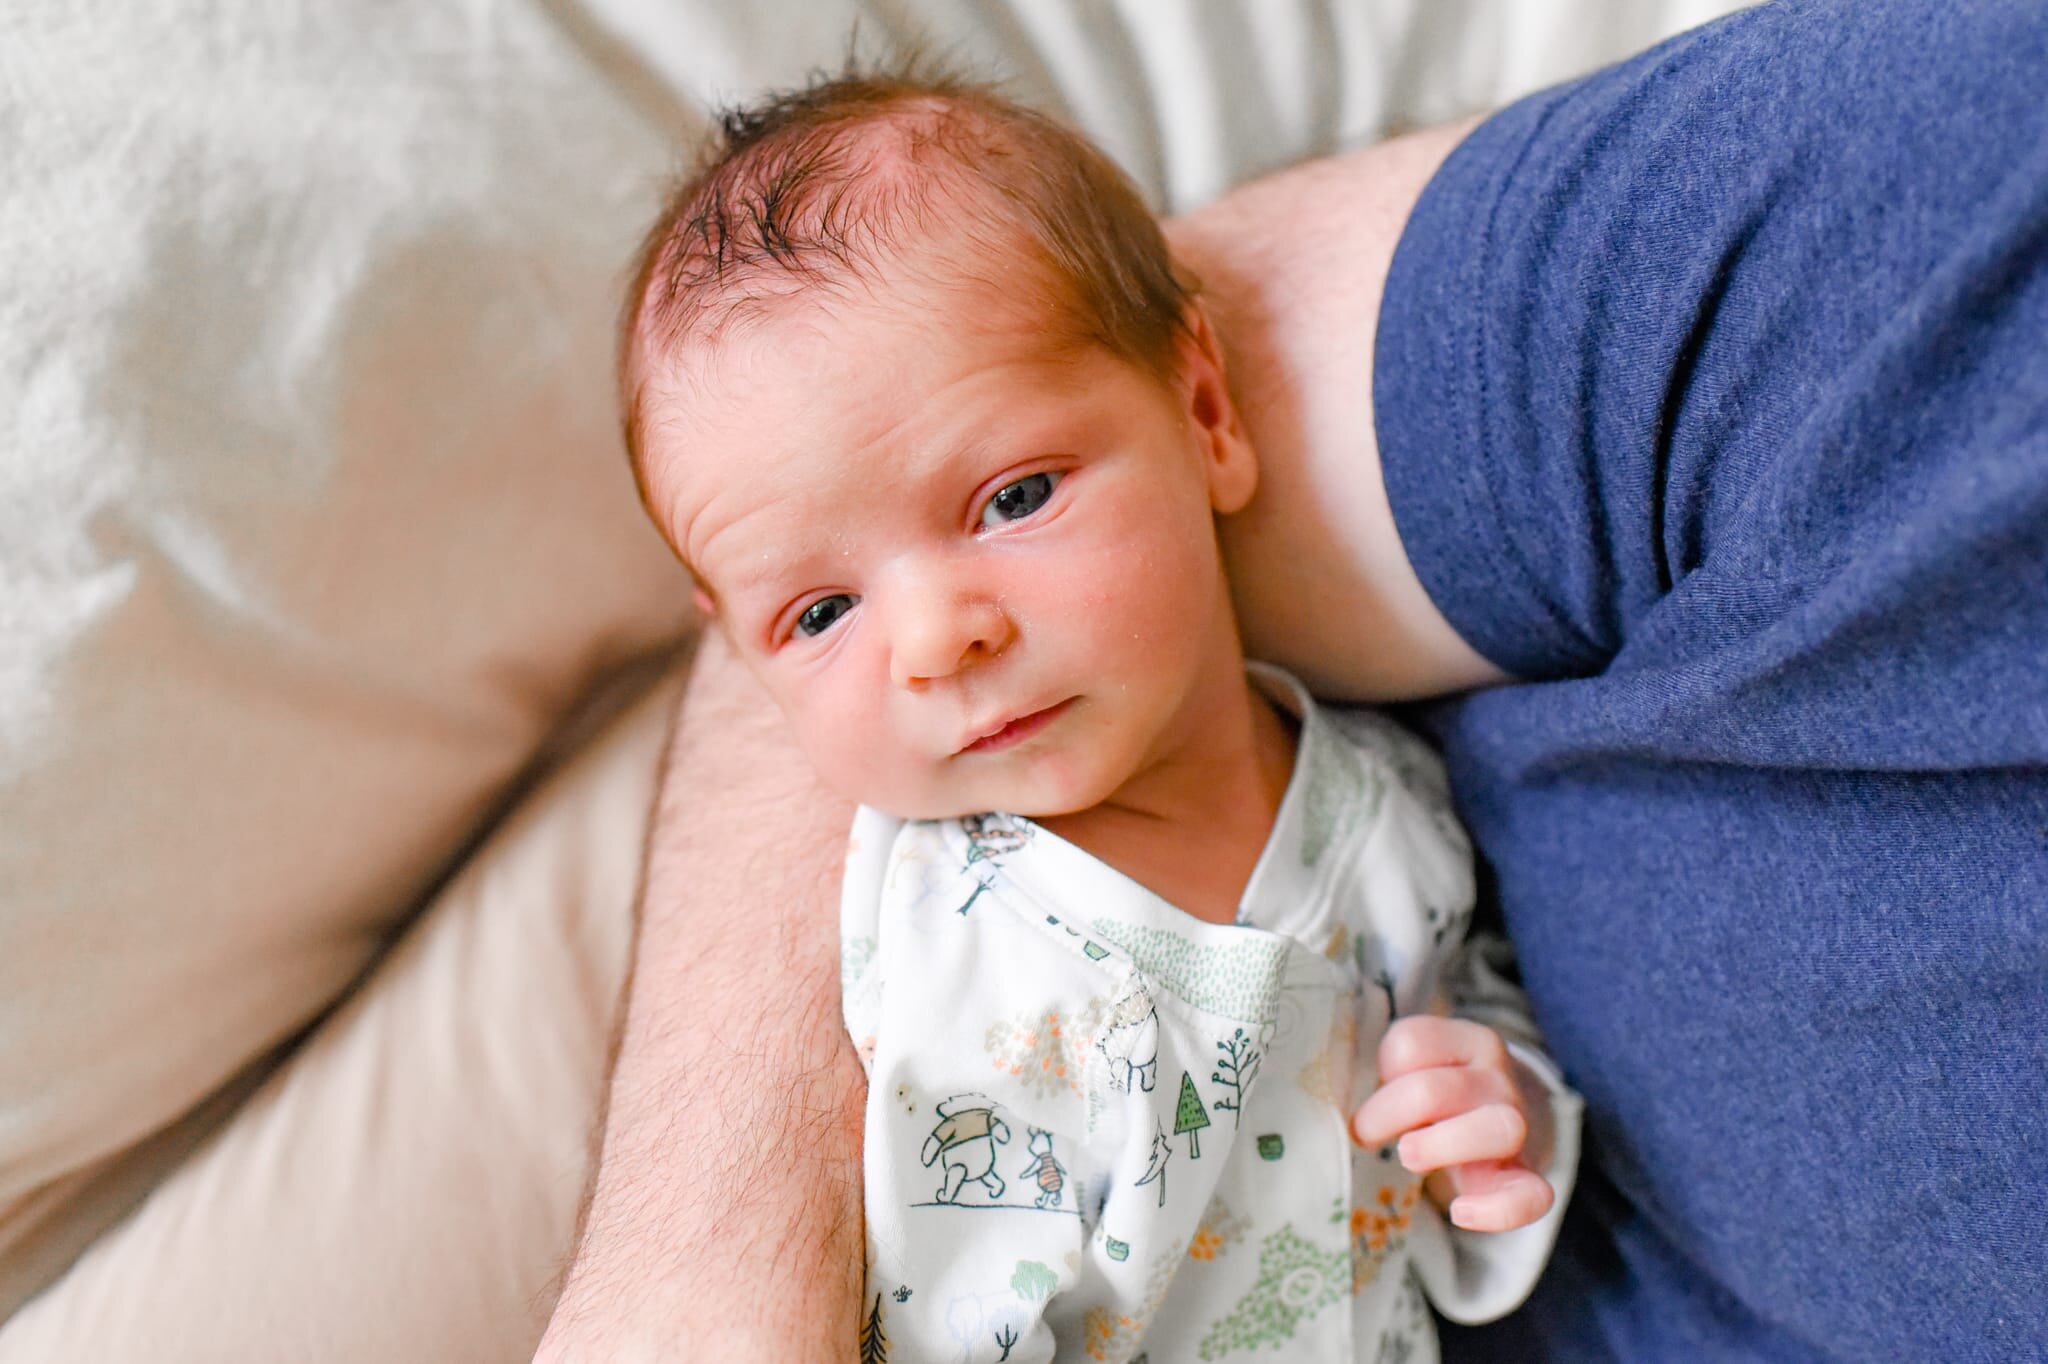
<point x="1428" y="1096"/>
<point x="1492" y="1131"/>
<point x="1423" y="1041"/>
<point x="1498" y="1196"/>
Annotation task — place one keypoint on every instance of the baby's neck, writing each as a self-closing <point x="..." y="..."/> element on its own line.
<point x="1193" y="833"/>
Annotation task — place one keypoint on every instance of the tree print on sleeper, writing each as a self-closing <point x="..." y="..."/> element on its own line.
<point x="1045" y="1050"/>
<point x="1189" y="1116"/>
<point x="1241" y="979"/>
<point x="1296" y="1280"/>
<point x="1236" y="1067"/>
<point x="873" y="1343"/>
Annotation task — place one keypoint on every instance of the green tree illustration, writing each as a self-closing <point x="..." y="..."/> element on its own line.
<point x="1234" y="1070"/>
<point x="1033" y="1282"/>
<point x="874" y="1346"/>
<point x="1190" y="1117"/>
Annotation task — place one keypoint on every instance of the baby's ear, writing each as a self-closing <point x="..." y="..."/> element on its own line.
<point x="1228" y="458"/>
<point x="703" y="600"/>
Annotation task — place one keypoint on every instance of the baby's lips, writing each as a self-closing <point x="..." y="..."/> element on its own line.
<point x="1015" y="729"/>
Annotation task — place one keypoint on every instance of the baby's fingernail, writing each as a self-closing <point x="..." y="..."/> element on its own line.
<point x="1461" y="1214"/>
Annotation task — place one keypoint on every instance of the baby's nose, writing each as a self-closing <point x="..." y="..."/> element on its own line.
<point x="936" y="638"/>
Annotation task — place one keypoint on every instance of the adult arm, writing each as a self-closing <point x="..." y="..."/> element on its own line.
<point x="1291" y="270"/>
<point x="725" y="1222"/>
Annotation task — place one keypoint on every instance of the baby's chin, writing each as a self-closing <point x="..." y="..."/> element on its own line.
<point x="1027" y="801"/>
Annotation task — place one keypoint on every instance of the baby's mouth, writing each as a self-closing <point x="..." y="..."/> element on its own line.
<point x="1016" y="730"/>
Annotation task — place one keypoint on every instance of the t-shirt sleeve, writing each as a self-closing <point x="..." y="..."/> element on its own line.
<point x="1730" y="336"/>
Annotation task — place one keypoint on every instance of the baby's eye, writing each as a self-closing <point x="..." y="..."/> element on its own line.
<point x="821" y="614"/>
<point x="1018" y="500"/>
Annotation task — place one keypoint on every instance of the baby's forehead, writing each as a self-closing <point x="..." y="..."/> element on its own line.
<point x="955" y="272"/>
<point x="805" y="367"/>
<point x="946" y="299"/>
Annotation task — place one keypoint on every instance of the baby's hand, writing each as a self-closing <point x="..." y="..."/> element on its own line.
<point x="1461" y="1106"/>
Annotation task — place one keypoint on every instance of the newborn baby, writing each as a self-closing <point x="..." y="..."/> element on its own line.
<point x="1130" y="928"/>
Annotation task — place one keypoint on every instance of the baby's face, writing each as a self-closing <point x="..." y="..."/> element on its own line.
<point x="976" y="572"/>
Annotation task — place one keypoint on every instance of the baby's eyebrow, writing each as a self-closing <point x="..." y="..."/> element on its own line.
<point x="744" y="584"/>
<point x="776" y="571"/>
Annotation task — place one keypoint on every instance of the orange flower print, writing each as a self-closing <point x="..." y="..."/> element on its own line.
<point x="1101" y="1332"/>
<point x="1378" y="1229"/>
<point x="1040" y="1050"/>
<point x="1219" y="1228"/>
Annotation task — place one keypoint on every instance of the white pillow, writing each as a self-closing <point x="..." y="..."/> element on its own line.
<point x="313" y="524"/>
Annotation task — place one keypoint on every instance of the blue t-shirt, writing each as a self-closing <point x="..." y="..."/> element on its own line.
<point x="1712" y="393"/>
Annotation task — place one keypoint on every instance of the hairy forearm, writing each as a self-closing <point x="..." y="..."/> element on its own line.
<point x="1291" y="269"/>
<point x="725" y="1222"/>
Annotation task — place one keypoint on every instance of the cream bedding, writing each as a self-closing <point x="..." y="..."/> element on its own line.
<point x="313" y="527"/>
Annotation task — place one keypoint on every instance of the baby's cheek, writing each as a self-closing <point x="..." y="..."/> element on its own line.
<point x="847" y="760"/>
<point x="897" y="783"/>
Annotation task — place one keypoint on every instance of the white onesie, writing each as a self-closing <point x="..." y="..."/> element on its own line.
<point x="1099" y="1128"/>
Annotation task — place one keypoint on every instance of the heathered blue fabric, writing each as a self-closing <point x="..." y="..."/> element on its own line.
<point x="1712" y="393"/>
